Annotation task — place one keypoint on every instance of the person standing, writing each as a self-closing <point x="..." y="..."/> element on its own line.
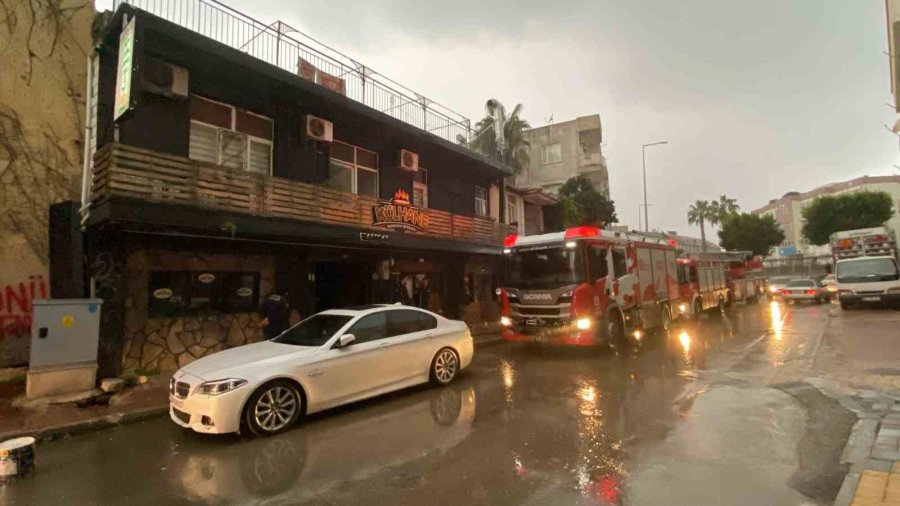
<point x="275" y="311"/>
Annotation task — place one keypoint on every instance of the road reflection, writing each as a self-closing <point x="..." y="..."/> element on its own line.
<point x="318" y="457"/>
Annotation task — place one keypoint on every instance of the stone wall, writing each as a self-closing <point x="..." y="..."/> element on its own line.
<point x="167" y="344"/>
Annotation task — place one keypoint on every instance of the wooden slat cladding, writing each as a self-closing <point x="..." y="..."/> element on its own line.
<point x="127" y="171"/>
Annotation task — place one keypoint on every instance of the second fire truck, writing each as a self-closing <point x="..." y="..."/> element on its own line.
<point x="715" y="280"/>
<point x="586" y="286"/>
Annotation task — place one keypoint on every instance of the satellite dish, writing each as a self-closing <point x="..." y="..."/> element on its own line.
<point x="460" y="138"/>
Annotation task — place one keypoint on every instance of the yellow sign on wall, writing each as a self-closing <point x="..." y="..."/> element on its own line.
<point x="68" y="321"/>
<point x="123" y="76"/>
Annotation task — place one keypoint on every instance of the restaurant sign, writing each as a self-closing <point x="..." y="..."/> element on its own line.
<point x="399" y="214"/>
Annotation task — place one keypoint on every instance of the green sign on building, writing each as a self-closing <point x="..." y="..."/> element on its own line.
<point x="123" y="76"/>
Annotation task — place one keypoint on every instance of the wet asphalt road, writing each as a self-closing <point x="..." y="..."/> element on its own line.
<point x="680" y="418"/>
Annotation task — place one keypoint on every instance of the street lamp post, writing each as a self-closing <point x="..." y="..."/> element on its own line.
<point x="644" y="171"/>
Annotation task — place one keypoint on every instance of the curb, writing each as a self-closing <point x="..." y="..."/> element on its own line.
<point x="92" y="424"/>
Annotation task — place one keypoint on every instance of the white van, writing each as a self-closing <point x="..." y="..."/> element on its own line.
<point x="867" y="280"/>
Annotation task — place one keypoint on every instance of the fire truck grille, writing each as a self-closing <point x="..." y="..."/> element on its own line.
<point x="539" y="311"/>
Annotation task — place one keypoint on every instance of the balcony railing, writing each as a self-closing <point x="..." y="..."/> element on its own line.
<point x="282" y="45"/>
<point x="121" y="170"/>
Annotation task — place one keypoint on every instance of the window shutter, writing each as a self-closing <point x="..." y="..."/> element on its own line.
<point x="233" y="149"/>
<point x="260" y="157"/>
<point x="204" y="143"/>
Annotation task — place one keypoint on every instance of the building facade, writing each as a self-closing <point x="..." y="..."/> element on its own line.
<point x="41" y="123"/>
<point x="788" y="211"/>
<point x="227" y="176"/>
<point x="561" y="151"/>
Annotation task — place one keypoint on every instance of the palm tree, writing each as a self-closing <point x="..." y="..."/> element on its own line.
<point x="515" y="151"/>
<point x="699" y="213"/>
<point x="722" y="209"/>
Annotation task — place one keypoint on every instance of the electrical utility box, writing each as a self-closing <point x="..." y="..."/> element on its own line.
<point x="64" y="337"/>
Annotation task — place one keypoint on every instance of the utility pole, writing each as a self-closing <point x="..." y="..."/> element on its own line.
<point x="644" y="172"/>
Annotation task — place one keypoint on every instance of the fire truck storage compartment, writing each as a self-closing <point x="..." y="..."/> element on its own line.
<point x="645" y="276"/>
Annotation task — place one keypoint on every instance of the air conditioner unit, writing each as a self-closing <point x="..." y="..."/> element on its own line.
<point x="318" y="129"/>
<point x="409" y="161"/>
<point x="164" y="78"/>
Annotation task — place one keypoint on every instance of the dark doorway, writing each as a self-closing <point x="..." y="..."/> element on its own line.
<point x="341" y="284"/>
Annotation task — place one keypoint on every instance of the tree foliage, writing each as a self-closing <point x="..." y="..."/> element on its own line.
<point x="700" y="213"/>
<point x="516" y="150"/>
<point x="833" y="213"/>
<point x="721" y="209"/>
<point x="750" y="232"/>
<point x="582" y="204"/>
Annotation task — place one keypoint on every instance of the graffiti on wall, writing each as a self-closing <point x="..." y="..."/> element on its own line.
<point x="16" y="308"/>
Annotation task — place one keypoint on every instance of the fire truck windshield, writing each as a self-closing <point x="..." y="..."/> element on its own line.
<point x="543" y="267"/>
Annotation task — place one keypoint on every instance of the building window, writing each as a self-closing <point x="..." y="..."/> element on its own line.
<point x="551" y="153"/>
<point x="225" y="135"/>
<point x="515" y="212"/>
<point x="353" y="170"/>
<point x="191" y="293"/>
<point x="420" y="188"/>
<point x="481" y="202"/>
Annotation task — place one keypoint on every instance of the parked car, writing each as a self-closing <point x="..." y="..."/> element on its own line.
<point x="331" y="358"/>
<point x="777" y="284"/>
<point x="865" y="280"/>
<point x="805" y="290"/>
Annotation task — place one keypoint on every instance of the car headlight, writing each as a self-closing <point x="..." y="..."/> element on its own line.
<point x="506" y="321"/>
<point x="773" y="289"/>
<point x="896" y="289"/>
<point x="583" y="323"/>
<point x="682" y="307"/>
<point x="221" y="386"/>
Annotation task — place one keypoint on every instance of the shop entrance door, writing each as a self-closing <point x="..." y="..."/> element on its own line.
<point x="340" y="284"/>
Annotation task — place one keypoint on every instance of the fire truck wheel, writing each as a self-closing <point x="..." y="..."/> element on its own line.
<point x="614" y="328"/>
<point x="666" y="321"/>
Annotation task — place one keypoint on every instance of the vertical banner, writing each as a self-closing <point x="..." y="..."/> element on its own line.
<point x="123" y="76"/>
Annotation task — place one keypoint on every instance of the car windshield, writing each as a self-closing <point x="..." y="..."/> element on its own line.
<point x="801" y="283"/>
<point x="543" y="267"/>
<point x="867" y="271"/>
<point x="313" y="331"/>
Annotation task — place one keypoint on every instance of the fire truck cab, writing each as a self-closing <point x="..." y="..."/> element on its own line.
<point x="586" y="286"/>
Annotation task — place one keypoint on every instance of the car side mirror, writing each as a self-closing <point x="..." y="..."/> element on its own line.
<point x="346" y="340"/>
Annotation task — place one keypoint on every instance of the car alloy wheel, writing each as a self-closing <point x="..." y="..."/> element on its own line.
<point x="274" y="408"/>
<point x="445" y="366"/>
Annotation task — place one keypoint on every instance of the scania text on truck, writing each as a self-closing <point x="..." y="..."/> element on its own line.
<point x="586" y="286"/>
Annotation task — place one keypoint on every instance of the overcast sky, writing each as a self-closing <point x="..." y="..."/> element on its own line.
<point x="756" y="98"/>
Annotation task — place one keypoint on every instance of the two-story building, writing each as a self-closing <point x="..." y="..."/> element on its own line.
<point x="229" y="159"/>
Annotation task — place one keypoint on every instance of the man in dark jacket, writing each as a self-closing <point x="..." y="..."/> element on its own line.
<point x="275" y="315"/>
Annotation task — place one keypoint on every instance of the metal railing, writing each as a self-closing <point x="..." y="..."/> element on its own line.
<point x="281" y="45"/>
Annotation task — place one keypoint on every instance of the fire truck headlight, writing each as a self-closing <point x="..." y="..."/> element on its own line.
<point x="571" y="244"/>
<point x="583" y="323"/>
<point x="507" y="251"/>
<point x="506" y="321"/>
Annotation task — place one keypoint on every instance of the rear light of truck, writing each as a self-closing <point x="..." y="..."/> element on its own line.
<point x="510" y="240"/>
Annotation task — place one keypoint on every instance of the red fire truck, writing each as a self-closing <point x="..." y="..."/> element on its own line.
<point x="716" y="280"/>
<point x="702" y="285"/>
<point x="586" y="286"/>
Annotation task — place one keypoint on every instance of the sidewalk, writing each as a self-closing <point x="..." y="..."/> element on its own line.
<point x="858" y="368"/>
<point x="134" y="405"/>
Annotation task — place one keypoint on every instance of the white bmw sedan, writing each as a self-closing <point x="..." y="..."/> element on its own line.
<point x="331" y="358"/>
